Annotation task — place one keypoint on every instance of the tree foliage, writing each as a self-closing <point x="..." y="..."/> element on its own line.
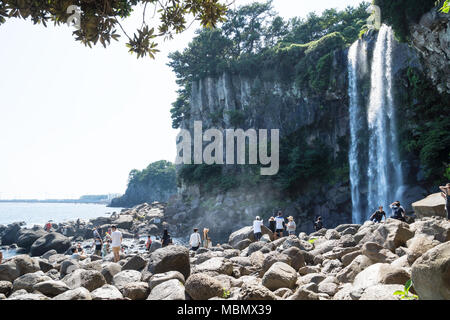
<point x="161" y="173"/>
<point x="99" y="20"/>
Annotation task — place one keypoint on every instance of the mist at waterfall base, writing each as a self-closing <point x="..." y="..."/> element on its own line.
<point x="375" y="169"/>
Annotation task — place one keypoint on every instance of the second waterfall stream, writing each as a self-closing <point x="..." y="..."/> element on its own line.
<point x="375" y="167"/>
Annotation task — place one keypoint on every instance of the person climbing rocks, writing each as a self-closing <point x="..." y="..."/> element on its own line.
<point x="377" y="216"/>
<point x="96" y="233"/>
<point x="272" y="224"/>
<point x="166" y="239"/>
<point x="318" y="224"/>
<point x="398" y="212"/>
<point x="98" y="243"/>
<point x="195" y="240"/>
<point x="148" y="244"/>
<point x="117" y="238"/>
<point x="257" y="224"/>
<point x="206" y="239"/>
<point x="280" y="225"/>
<point x="291" y="226"/>
<point x="446" y="195"/>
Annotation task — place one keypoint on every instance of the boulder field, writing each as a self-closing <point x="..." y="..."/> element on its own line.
<point x="351" y="262"/>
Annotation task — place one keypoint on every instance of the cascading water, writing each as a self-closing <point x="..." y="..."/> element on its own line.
<point x="383" y="172"/>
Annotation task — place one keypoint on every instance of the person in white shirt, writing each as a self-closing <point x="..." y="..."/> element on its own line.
<point x="257" y="223"/>
<point x="291" y="226"/>
<point x="116" y="236"/>
<point x="195" y="240"/>
<point x="279" y="228"/>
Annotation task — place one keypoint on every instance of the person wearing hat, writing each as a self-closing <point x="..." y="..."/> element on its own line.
<point x="257" y="224"/>
<point x="291" y="226"/>
<point x="272" y="224"/>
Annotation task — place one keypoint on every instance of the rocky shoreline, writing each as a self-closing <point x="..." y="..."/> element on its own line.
<point x="350" y="262"/>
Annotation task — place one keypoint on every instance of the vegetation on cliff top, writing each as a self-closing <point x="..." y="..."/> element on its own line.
<point x="159" y="178"/>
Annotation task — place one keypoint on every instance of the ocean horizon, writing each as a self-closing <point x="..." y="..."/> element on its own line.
<point x="39" y="213"/>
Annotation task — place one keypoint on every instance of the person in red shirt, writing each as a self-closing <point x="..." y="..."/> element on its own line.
<point x="149" y="243"/>
<point x="48" y="226"/>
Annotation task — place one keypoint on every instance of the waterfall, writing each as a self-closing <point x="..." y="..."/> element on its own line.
<point x="355" y="127"/>
<point x="383" y="172"/>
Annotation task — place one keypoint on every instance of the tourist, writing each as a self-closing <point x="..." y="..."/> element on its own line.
<point x="280" y="225"/>
<point x="166" y="239"/>
<point x="206" y="238"/>
<point x="77" y="255"/>
<point x="96" y="233"/>
<point x="98" y="243"/>
<point x="272" y="224"/>
<point x="80" y="249"/>
<point x="318" y="224"/>
<point x="446" y="195"/>
<point x="397" y="211"/>
<point x="117" y="238"/>
<point x="48" y="226"/>
<point x="291" y="226"/>
<point x="148" y="244"/>
<point x="377" y="216"/>
<point x="195" y="240"/>
<point x="1" y="256"/>
<point x="105" y="249"/>
<point x="257" y="224"/>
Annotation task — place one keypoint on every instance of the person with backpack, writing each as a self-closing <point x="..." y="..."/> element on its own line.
<point x="291" y="226"/>
<point x="318" y="224"/>
<point x="166" y="238"/>
<point x="398" y="212"/>
<point x="377" y="216"/>
<point x="257" y="224"/>
<point x="195" y="240"/>
<point x="279" y="225"/>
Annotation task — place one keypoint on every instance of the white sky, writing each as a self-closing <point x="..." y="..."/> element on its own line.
<point x="75" y="120"/>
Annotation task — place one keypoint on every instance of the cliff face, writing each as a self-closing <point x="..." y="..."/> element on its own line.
<point x="431" y="37"/>
<point x="236" y="101"/>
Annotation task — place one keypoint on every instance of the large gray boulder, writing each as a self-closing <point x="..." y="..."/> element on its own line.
<point x="170" y="258"/>
<point x="106" y="292"/>
<point x="89" y="279"/>
<point x="124" y="277"/>
<point x="109" y="270"/>
<point x="10" y="234"/>
<point x="136" y="290"/>
<point x="27" y="237"/>
<point x="135" y="263"/>
<point x="437" y="227"/>
<point x="247" y="233"/>
<point x="433" y="205"/>
<point x="381" y="292"/>
<point x="9" y="271"/>
<point x="279" y="275"/>
<point x="418" y="245"/>
<point x="124" y="221"/>
<point x="75" y="294"/>
<point x="216" y="264"/>
<point x="48" y="242"/>
<point x="169" y="290"/>
<point x="252" y="292"/>
<point x="5" y="287"/>
<point x="26" y="264"/>
<point x="203" y="287"/>
<point x="431" y="273"/>
<point x="159" y="278"/>
<point x="27" y="281"/>
<point x="390" y="235"/>
<point x="51" y="288"/>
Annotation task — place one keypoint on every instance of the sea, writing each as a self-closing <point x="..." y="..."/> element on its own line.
<point x="39" y="213"/>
